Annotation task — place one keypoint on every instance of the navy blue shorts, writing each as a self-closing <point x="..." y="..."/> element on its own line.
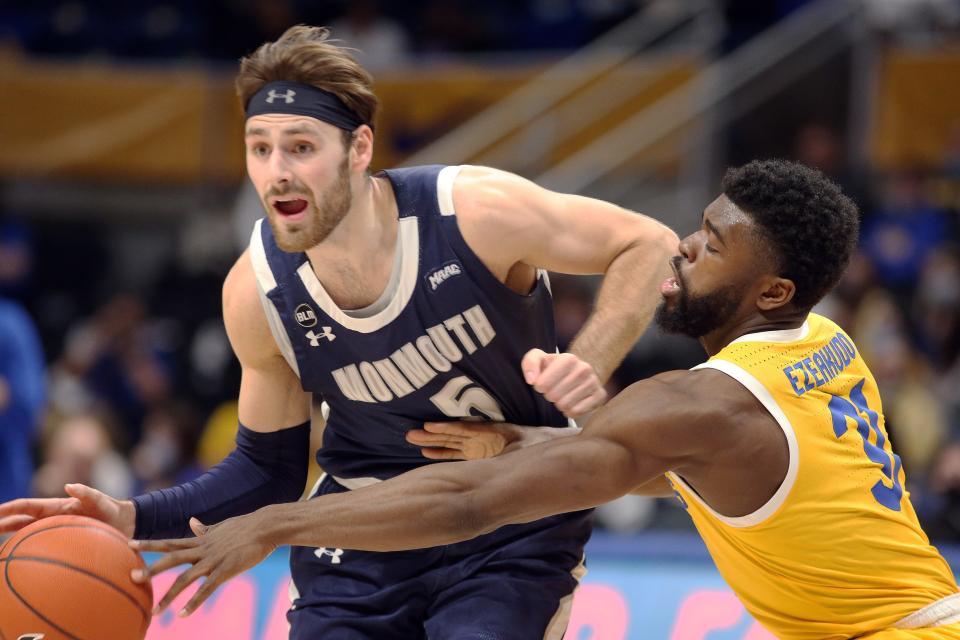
<point x="514" y="583"/>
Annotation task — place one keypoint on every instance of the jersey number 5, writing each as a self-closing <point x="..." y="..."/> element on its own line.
<point x="856" y="408"/>
<point x="461" y="396"/>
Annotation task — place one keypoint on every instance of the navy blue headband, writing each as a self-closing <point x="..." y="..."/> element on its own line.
<point x="303" y="100"/>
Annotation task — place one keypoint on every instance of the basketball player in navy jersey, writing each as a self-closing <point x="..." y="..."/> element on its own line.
<point x="410" y="296"/>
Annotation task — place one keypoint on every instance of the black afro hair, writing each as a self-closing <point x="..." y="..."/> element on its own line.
<point x="804" y="216"/>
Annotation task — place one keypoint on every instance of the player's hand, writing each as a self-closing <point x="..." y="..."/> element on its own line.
<point x="83" y="501"/>
<point x="468" y="440"/>
<point x="218" y="553"/>
<point x="570" y="383"/>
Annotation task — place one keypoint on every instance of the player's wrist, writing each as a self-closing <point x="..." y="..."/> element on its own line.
<point x="127" y="517"/>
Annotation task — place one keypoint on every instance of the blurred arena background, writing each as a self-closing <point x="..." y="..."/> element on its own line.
<point x="123" y="203"/>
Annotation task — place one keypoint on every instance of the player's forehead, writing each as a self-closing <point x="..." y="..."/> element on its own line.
<point x="725" y="216"/>
<point x="280" y="124"/>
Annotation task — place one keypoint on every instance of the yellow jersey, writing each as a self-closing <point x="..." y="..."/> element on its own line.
<point x="837" y="552"/>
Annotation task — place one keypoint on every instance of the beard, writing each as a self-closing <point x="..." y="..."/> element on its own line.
<point x="328" y="211"/>
<point x="697" y="316"/>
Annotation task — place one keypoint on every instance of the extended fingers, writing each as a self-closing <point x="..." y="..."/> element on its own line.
<point x="423" y="438"/>
<point x="442" y="454"/>
<point x="185" y="579"/>
<point x="205" y="591"/>
<point x="15" y="523"/>
<point x="166" y="561"/>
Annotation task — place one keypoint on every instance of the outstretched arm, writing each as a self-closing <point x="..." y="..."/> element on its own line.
<point x="667" y="422"/>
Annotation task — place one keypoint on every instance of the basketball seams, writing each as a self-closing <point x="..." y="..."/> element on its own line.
<point x="105" y="529"/>
<point x="86" y="572"/>
<point x="6" y="576"/>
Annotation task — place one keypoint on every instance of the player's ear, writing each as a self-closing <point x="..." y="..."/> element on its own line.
<point x="778" y="292"/>
<point x="361" y="148"/>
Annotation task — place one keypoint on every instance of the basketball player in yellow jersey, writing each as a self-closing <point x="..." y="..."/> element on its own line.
<point x="776" y="444"/>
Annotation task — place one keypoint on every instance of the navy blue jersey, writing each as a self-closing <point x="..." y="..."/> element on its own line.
<point x="443" y="342"/>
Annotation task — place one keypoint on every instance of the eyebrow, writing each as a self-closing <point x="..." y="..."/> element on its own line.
<point x="714" y="231"/>
<point x="292" y="131"/>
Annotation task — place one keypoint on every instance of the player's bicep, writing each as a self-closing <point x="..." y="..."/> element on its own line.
<point x="508" y="219"/>
<point x="271" y="397"/>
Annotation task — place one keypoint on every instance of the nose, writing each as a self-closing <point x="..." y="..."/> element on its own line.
<point x="687" y="247"/>
<point x="279" y="168"/>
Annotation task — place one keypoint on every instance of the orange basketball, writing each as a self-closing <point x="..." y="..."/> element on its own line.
<point x="68" y="578"/>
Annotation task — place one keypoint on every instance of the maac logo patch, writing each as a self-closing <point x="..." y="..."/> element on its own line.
<point x="442" y="274"/>
<point x="305" y="316"/>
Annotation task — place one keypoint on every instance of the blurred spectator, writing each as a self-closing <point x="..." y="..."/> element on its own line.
<point x="80" y="448"/>
<point x="166" y="453"/>
<point x="22" y="395"/>
<point x="379" y="41"/>
<point x="115" y="358"/>
<point x="906" y="227"/>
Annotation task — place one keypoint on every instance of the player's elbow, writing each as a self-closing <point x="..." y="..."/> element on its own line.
<point x="658" y="238"/>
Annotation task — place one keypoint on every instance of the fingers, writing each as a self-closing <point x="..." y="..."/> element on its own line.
<point x="15" y="523"/>
<point x="88" y="501"/>
<point x="36" y="507"/>
<point x="442" y="454"/>
<point x="185" y="579"/>
<point x="590" y="403"/>
<point x="463" y="428"/>
<point x="423" y="438"/>
<point x="165" y="562"/>
<point x="198" y="527"/>
<point x="533" y="362"/>
<point x="164" y="546"/>
<point x="205" y="591"/>
<point x="570" y="383"/>
<point x="565" y="369"/>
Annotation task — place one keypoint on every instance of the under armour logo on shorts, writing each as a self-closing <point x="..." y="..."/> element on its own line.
<point x="333" y="553"/>
<point x="287" y="95"/>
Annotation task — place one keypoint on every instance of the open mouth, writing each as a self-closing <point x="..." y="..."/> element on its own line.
<point x="671" y="286"/>
<point x="290" y="207"/>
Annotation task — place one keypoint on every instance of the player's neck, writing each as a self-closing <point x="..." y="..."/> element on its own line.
<point x="715" y="341"/>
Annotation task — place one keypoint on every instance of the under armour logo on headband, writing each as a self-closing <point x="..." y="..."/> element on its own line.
<point x="287" y="96"/>
<point x="278" y="98"/>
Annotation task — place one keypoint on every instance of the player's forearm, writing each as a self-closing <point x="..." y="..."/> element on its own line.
<point x="432" y="506"/>
<point x="628" y="297"/>
<point x="450" y="502"/>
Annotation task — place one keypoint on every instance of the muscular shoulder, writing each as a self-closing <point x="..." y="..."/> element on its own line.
<point x="243" y="316"/>
<point x="491" y="197"/>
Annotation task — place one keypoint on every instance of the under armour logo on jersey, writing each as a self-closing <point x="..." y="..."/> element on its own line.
<point x="333" y="553"/>
<point x="315" y="338"/>
<point x="287" y="95"/>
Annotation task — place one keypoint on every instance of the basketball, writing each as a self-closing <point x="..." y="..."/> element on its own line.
<point x="68" y="578"/>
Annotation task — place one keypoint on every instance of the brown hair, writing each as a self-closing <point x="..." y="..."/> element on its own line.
<point x="307" y="55"/>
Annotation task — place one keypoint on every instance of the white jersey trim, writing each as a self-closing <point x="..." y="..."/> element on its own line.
<point x="445" y="180"/>
<point x="259" y="258"/>
<point x="939" y="614"/>
<point x="763" y="395"/>
<point x="409" y="246"/>
<point x="557" y="626"/>
<point x="781" y="336"/>
<point x="266" y="282"/>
